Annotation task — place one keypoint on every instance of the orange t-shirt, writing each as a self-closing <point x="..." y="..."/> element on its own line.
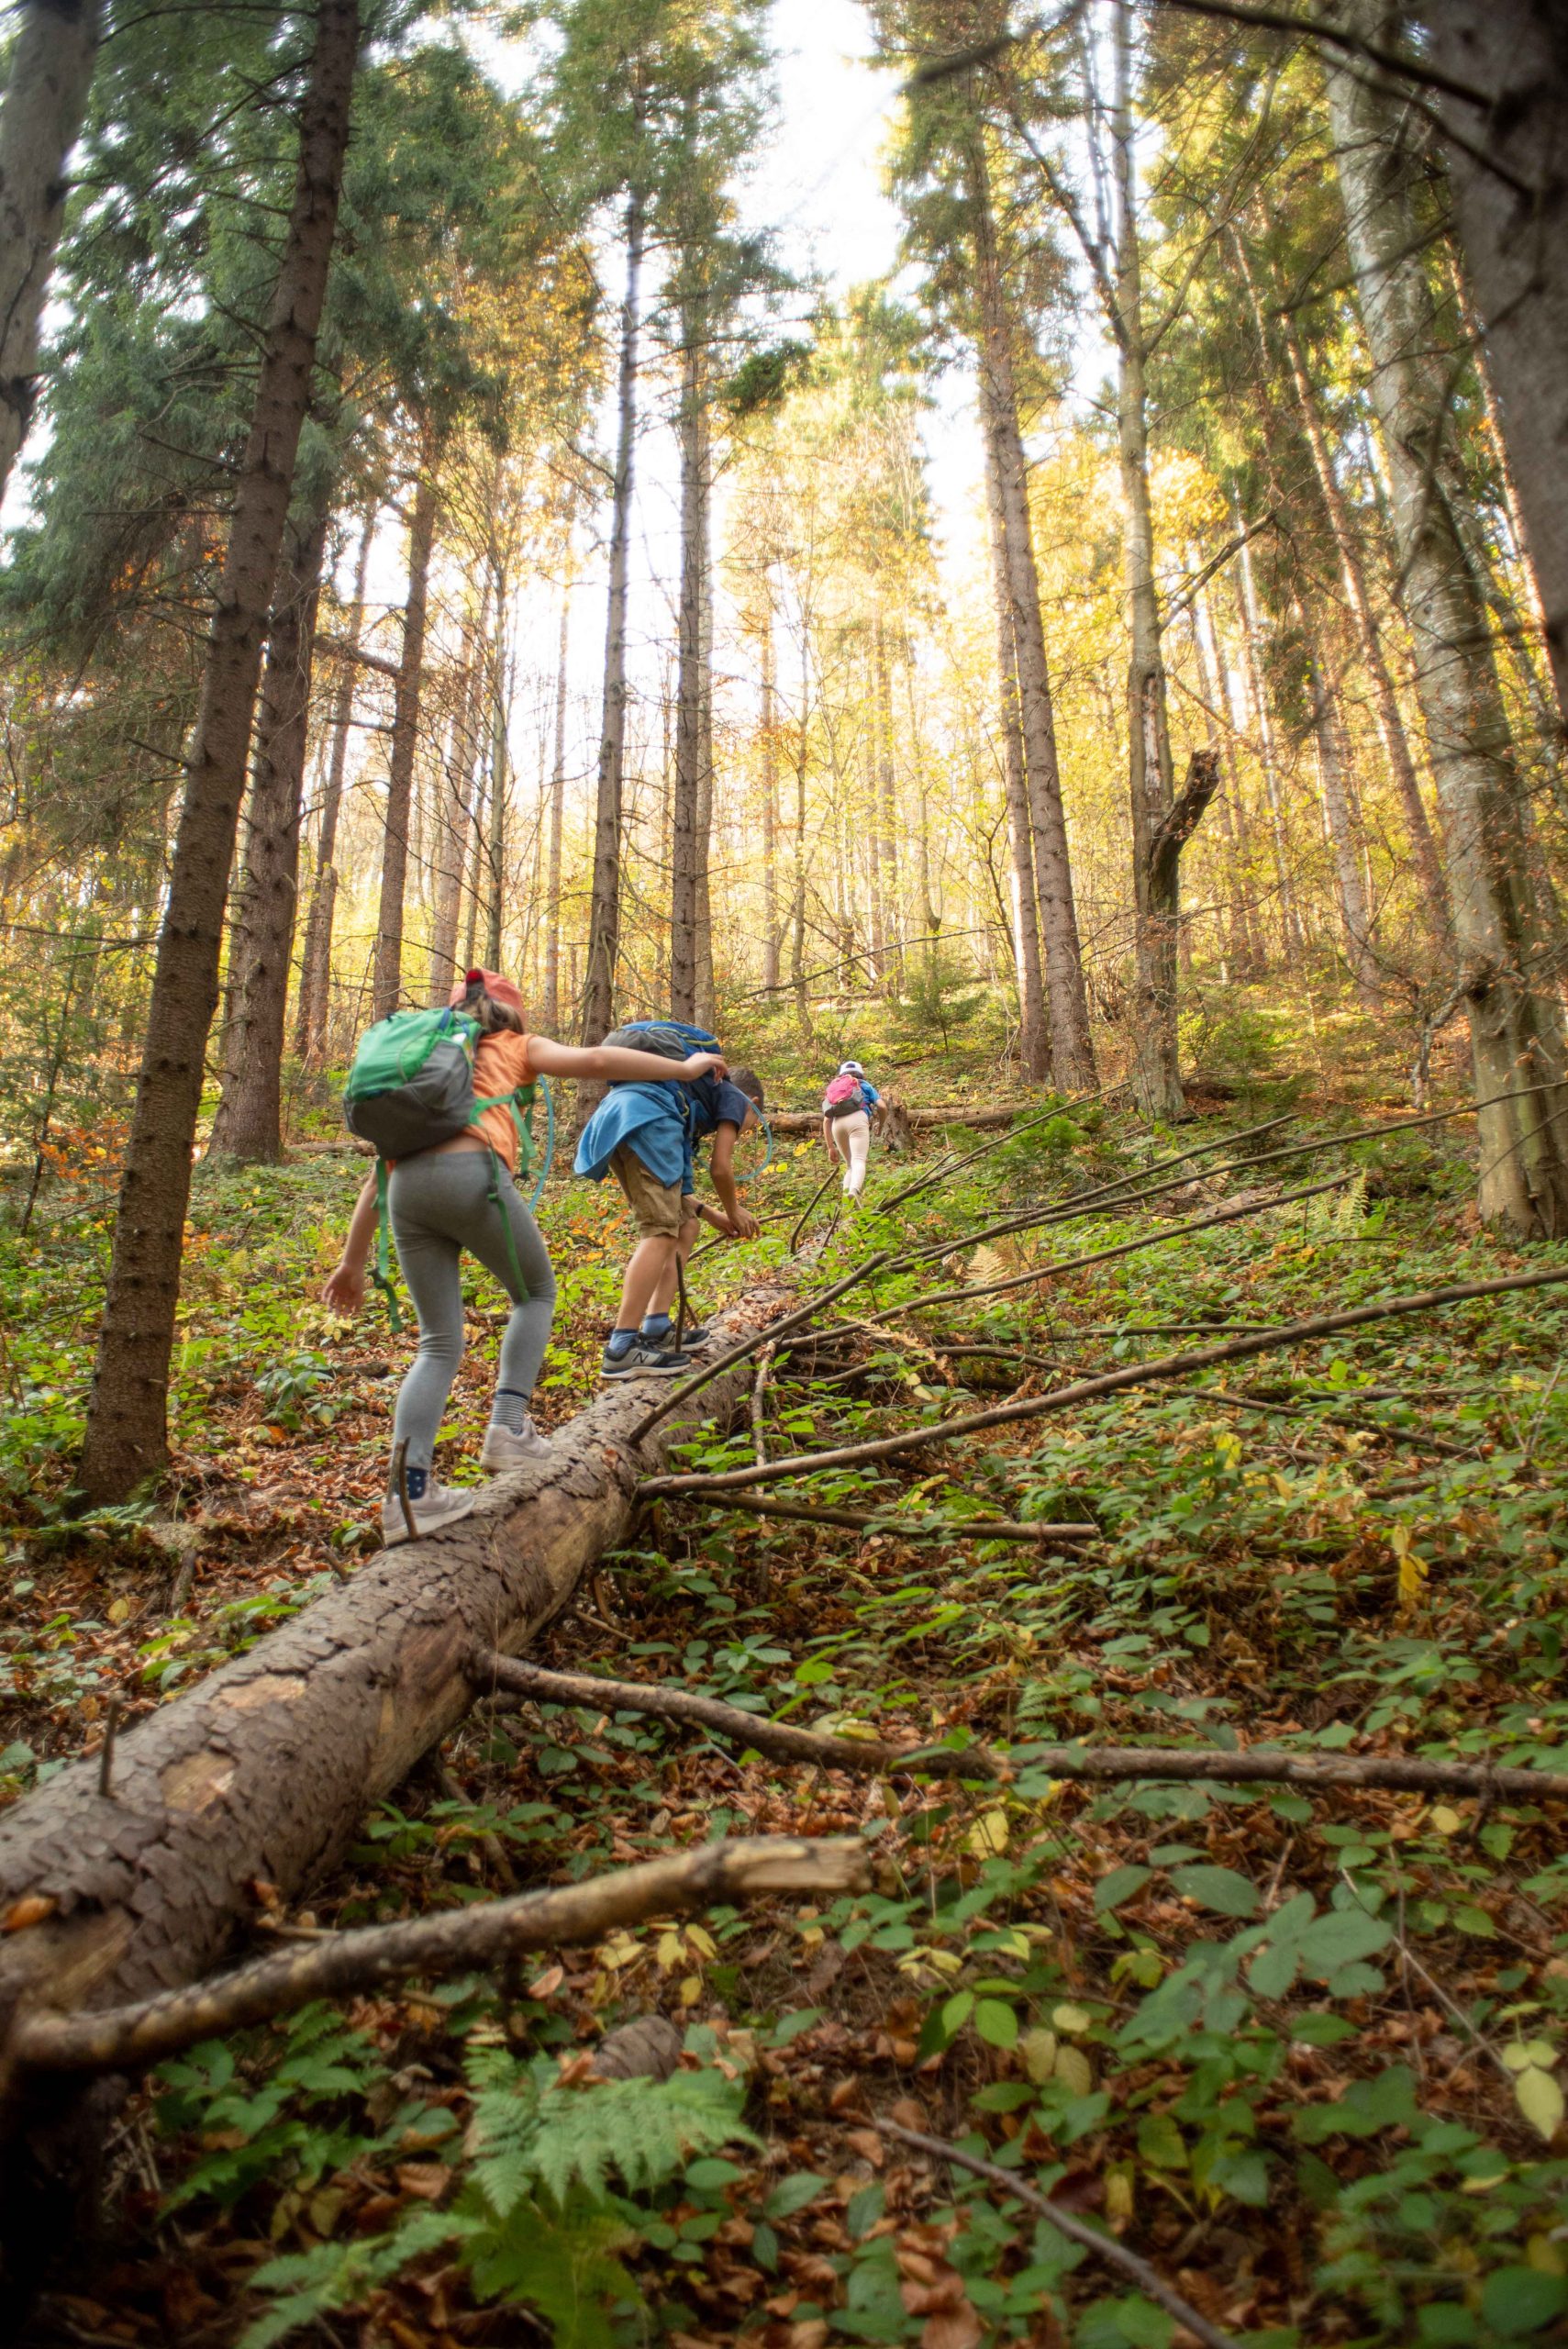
<point x="500" y="1064"/>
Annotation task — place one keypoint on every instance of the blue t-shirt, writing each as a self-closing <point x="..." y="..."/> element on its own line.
<point x="661" y="1122"/>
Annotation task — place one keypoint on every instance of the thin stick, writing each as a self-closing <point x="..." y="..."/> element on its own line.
<point x="1114" y="2254"/>
<point x="456" y="1941"/>
<point x="868" y="1756"/>
<point x="722" y="1238"/>
<point x="940" y="1173"/>
<point x="759" y="1389"/>
<point x="1416" y="1436"/>
<point x="1105" y="1194"/>
<point x="1053" y="1271"/>
<point x="767" y="1336"/>
<point x="107" y="1751"/>
<point x="1070" y="1208"/>
<point x="1090" y="1390"/>
<point x="909" y="1528"/>
<point x="805" y="1211"/>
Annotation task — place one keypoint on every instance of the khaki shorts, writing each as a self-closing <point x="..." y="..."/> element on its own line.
<point x="660" y="1208"/>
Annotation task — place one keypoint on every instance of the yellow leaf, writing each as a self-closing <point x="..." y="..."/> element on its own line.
<point x="702" y="1941"/>
<point x="1038" y="2051"/>
<point x="1540" y="2100"/>
<point x="1119" y="2190"/>
<point x="1542" y="2255"/>
<point x="988" y="1836"/>
<point x="1072" y="2019"/>
<point x="691" y="1989"/>
<point x="669" y="1949"/>
<point x="1446" y="1821"/>
<point x="119" y="1610"/>
<point x="1074" y="2070"/>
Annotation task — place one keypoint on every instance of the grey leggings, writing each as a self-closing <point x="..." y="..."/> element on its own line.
<point x="439" y="1204"/>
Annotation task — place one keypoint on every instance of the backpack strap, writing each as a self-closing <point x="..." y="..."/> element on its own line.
<point x="493" y="1195"/>
<point x="381" y="1266"/>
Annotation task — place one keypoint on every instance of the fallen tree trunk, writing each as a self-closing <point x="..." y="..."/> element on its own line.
<point x="261" y="1774"/>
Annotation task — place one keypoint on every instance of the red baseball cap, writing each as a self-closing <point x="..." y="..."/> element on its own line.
<point x="498" y="989"/>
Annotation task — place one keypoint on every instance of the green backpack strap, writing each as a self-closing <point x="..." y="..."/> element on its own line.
<point x="381" y="1268"/>
<point x="522" y="1097"/>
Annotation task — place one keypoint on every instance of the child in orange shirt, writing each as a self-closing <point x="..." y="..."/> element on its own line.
<point x="442" y="1200"/>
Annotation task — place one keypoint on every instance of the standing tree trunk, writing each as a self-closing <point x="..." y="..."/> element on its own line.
<point x="1501" y="944"/>
<point x="1515" y="246"/>
<point x="885" y="812"/>
<point x="1246" y="953"/>
<point x="1034" y="1057"/>
<point x="551" y="1014"/>
<point x="1072" y="1052"/>
<point x="1353" y="578"/>
<point x="772" y="936"/>
<point x="1342" y="839"/>
<point x="1251" y="616"/>
<point x="603" y="910"/>
<point x="249" y="1123"/>
<point x="454" y="819"/>
<point x="686" y="803"/>
<point x="386" y="984"/>
<point x="315" y="974"/>
<point x="46" y="97"/>
<point x="707" y="1015"/>
<point x="1156" y="1071"/>
<point x="500" y="780"/>
<point x="798" y="941"/>
<point x="127" y="1438"/>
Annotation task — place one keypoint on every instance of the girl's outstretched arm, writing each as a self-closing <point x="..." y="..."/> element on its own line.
<point x="618" y="1063"/>
<point x="344" y="1289"/>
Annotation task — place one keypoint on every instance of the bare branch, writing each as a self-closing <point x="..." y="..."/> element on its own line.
<point x="456" y="1941"/>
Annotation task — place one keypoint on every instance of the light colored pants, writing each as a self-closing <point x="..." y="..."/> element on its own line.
<point x="851" y="1140"/>
<point x="439" y="1203"/>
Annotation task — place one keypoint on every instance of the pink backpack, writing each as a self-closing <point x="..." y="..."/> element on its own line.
<point x="842" y="1095"/>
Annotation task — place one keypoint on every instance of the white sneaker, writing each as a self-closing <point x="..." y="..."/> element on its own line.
<point x="438" y="1505"/>
<point x="512" y="1447"/>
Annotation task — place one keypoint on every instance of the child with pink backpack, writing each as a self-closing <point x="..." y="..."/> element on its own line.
<point x="846" y="1122"/>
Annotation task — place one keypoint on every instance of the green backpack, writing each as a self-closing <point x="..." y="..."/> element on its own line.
<point x="411" y="1087"/>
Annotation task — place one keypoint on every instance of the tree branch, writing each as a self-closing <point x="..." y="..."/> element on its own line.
<point x="1182" y="819"/>
<point x="1103" y="2246"/>
<point x="933" y="1529"/>
<point x="1091" y="1390"/>
<point x="456" y="1941"/>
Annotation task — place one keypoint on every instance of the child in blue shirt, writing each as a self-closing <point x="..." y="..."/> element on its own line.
<point x="647" y="1137"/>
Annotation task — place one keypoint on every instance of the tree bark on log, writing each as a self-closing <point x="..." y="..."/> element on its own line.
<point x="264" y="1772"/>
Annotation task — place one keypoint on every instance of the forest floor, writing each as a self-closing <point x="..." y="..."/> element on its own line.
<point x="1302" y="2055"/>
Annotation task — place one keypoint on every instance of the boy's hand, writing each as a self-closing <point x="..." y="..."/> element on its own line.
<point x="344" y="1289"/>
<point x="702" y="1064"/>
<point x="743" y="1224"/>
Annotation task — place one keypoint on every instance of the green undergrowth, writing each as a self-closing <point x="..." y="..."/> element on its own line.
<point x="1302" y="2054"/>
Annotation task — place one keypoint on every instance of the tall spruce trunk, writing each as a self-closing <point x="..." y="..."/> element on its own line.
<point x="603" y="909"/>
<point x="884" y="813"/>
<point x="550" y="1013"/>
<point x="1156" y="1067"/>
<point x="797" y="908"/>
<point x="686" y="800"/>
<point x="249" y="1123"/>
<point x="772" y="935"/>
<point x="706" y="1010"/>
<point x="1034" y="1056"/>
<point x="1249" y="614"/>
<point x="126" y="1436"/>
<point x="1245" y="947"/>
<point x="496" y="844"/>
<point x="455" y="817"/>
<point x="316" y="961"/>
<point x="1515" y="249"/>
<point x="386" y="984"/>
<point x="1072" y="1052"/>
<point x="1502" y="946"/>
<point x="52" y="58"/>
<point x="1342" y="841"/>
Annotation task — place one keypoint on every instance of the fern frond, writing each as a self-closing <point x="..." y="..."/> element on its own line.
<point x="647" y="2129"/>
<point x="564" y="2265"/>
